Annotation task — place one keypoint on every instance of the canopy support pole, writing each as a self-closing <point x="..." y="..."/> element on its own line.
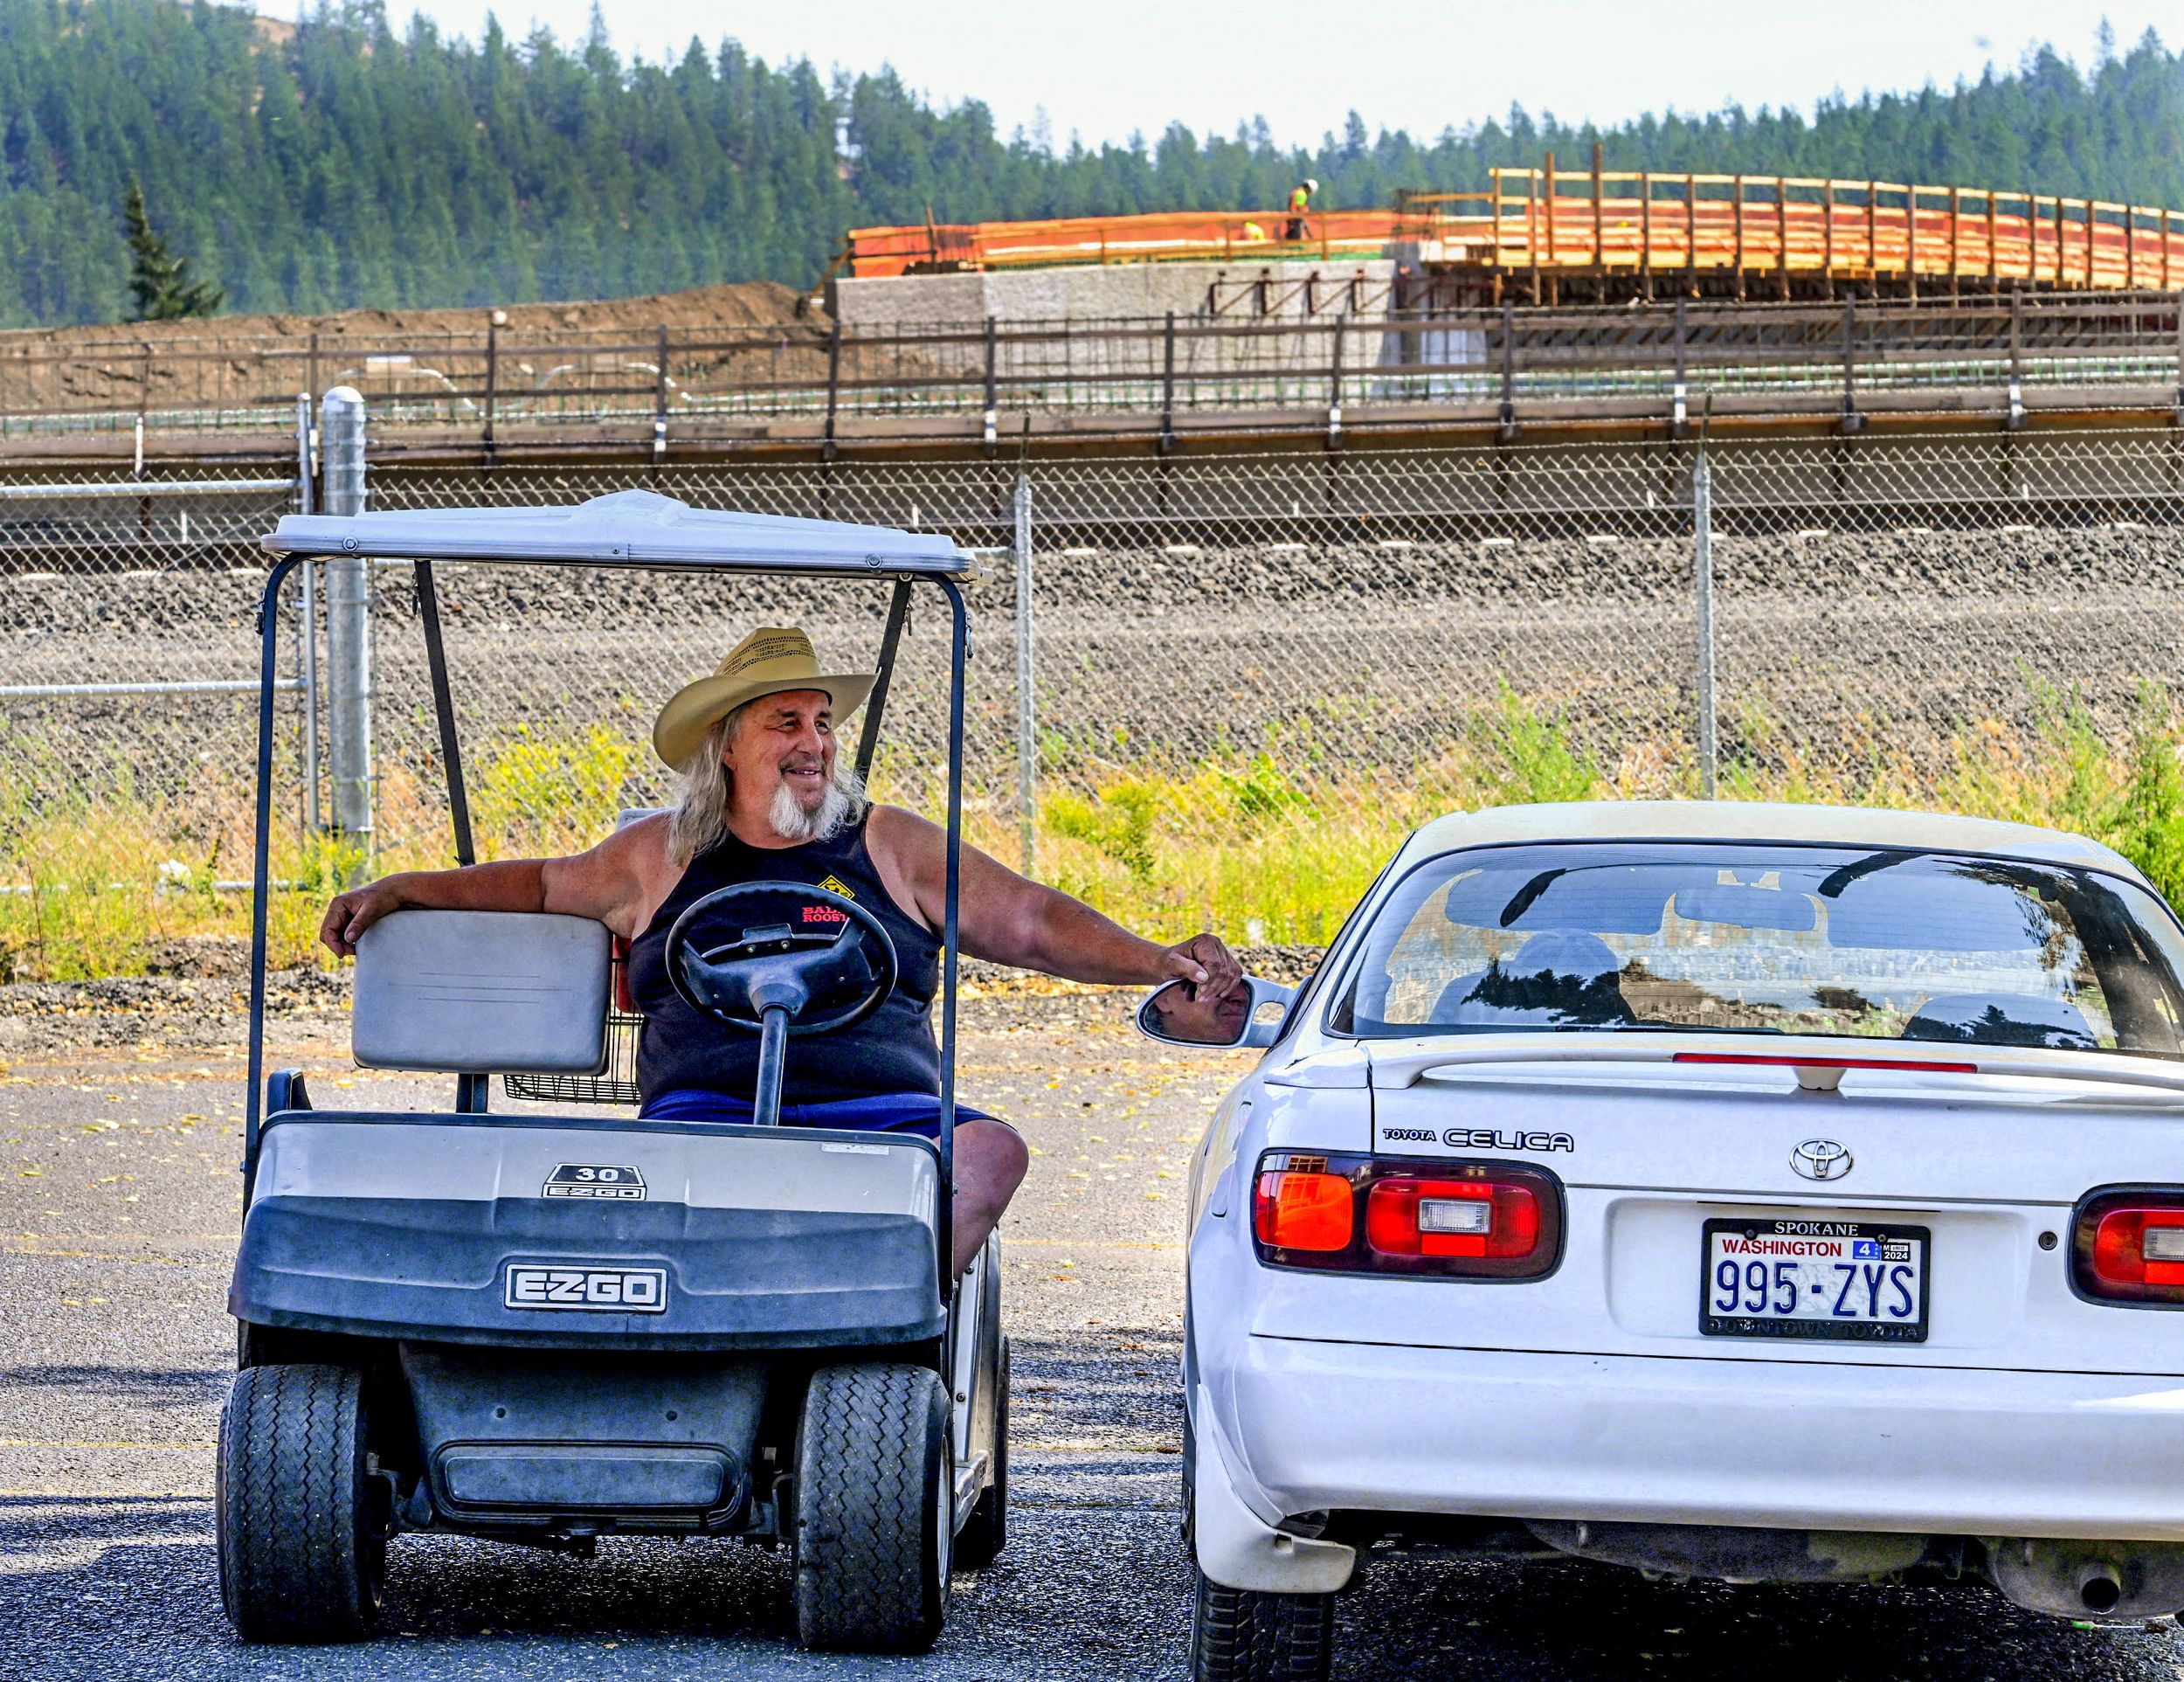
<point x="890" y="639"/>
<point x="254" y="1099"/>
<point x="959" y="657"/>
<point x="471" y="1089"/>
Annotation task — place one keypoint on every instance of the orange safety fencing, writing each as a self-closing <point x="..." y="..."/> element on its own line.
<point x="1162" y="237"/>
<point x="1536" y="222"/>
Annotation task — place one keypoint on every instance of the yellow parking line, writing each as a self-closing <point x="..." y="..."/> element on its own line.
<point x="42" y="1443"/>
<point x="1095" y="1448"/>
<point x="105" y="1256"/>
<point x="103" y="1495"/>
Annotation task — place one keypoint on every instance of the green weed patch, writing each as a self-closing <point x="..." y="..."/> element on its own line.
<point x="1262" y="847"/>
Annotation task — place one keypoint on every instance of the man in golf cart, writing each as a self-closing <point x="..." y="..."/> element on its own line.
<point x="766" y="797"/>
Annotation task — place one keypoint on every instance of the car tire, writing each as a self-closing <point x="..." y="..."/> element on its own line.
<point x="1241" y="1635"/>
<point x="303" y="1552"/>
<point x="874" y="1510"/>
<point x="986" y="1532"/>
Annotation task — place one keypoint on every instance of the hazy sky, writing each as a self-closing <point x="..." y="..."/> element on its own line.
<point x="1105" y="69"/>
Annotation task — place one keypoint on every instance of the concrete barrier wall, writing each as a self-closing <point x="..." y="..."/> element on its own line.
<point x="1092" y="294"/>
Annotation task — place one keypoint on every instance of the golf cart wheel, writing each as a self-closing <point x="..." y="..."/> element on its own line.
<point x="986" y="1532"/>
<point x="874" y="1510"/>
<point x="1241" y="1635"/>
<point x="303" y="1554"/>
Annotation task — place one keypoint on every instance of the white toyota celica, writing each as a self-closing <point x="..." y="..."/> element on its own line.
<point x="1751" y="1191"/>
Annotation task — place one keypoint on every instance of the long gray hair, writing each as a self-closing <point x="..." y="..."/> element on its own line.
<point x="701" y="814"/>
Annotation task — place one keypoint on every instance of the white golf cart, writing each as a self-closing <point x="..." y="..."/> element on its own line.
<point x="548" y="1327"/>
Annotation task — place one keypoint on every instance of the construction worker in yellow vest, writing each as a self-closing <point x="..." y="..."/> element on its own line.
<point x="1300" y="201"/>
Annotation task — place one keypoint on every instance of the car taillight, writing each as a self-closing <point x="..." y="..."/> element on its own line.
<point x="1303" y="1208"/>
<point x="1375" y="1214"/>
<point x="2128" y="1246"/>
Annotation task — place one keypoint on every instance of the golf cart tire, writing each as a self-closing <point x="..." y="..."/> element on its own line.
<point x="873" y="1494"/>
<point x="1242" y="1635"/>
<point x="303" y="1554"/>
<point x="986" y="1532"/>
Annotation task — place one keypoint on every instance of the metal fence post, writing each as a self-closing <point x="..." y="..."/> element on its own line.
<point x="1026" y="708"/>
<point x="348" y="626"/>
<point x="993" y="391"/>
<point x="1703" y="550"/>
<point x="308" y="613"/>
<point x="1167" y="386"/>
<point x="1334" y="387"/>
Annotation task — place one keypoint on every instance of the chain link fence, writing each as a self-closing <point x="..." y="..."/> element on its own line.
<point x="1247" y="674"/>
<point x="127" y="648"/>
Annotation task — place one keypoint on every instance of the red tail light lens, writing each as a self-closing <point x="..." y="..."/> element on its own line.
<point x="1369" y="1215"/>
<point x="2128" y="1246"/>
<point x="1302" y="1209"/>
<point x="1452" y="1217"/>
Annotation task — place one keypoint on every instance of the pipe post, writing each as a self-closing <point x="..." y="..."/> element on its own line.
<point x="1026" y="700"/>
<point x="348" y="628"/>
<point x="1702" y="550"/>
<point x="307" y="615"/>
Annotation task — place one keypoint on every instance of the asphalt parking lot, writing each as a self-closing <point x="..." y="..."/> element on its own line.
<point x="117" y="1213"/>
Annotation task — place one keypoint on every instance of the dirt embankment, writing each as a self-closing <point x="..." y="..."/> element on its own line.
<point x="227" y="363"/>
<point x="743" y="304"/>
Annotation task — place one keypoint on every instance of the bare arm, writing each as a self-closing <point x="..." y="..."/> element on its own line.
<point x="618" y="883"/>
<point x="1009" y="919"/>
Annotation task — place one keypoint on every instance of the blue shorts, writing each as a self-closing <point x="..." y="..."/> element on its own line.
<point x="885" y="1113"/>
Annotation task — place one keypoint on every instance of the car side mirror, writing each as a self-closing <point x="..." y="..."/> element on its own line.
<point x="1249" y="1014"/>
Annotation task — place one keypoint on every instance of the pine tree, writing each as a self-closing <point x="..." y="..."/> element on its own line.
<point x="160" y="279"/>
<point x="347" y="164"/>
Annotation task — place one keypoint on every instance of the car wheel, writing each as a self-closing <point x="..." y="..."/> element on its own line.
<point x="986" y="1532"/>
<point x="302" y="1552"/>
<point x="1241" y="1635"/>
<point x="874" y="1510"/>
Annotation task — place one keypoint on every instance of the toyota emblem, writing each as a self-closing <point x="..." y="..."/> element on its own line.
<point x="1822" y="1158"/>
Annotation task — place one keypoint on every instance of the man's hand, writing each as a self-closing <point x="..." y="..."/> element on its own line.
<point x="353" y="912"/>
<point x="1205" y="965"/>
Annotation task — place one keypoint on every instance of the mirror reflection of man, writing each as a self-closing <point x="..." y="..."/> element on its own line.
<point x="1201" y="1015"/>
<point x="767" y="797"/>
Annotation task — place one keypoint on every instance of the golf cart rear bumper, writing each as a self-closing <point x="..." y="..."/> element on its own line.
<point x="437" y="1229"/>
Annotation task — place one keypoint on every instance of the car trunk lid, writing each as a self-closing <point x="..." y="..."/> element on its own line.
<point x="1986" y="1155"/>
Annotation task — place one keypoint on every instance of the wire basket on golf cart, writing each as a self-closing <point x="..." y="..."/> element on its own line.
<point x="616" y="1082"/>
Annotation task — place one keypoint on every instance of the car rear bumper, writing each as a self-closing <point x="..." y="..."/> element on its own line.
<point x="1312" y="1425"/>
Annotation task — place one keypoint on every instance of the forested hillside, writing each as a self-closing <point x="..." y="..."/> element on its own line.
<point x="338" y="164"/>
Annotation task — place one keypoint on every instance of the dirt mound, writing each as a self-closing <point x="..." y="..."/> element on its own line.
<point x="743" y="304"/>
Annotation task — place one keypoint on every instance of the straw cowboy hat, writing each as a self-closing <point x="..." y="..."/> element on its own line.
<point x="770" y="661"/>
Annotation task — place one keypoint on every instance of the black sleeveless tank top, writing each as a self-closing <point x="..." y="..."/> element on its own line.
<point x="891" y="1051"/>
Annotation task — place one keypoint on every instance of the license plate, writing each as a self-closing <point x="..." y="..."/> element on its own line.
<point x="1859" y="1281"/>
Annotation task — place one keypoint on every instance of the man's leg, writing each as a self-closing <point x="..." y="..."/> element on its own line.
<point x="990" y="1164"/>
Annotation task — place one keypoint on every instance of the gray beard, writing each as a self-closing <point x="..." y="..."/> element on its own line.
<point x="825" y="821"/>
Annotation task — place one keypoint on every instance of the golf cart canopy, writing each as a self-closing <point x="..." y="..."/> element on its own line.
<point x="632" y="528"/>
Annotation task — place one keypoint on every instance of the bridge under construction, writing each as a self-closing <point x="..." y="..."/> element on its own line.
<point x="1606" y="236"/>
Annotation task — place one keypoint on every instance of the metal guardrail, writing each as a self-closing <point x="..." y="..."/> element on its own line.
<point x="135" y="490"/>
<point x="210" y="686"/>
<point x="1314" y="341"/>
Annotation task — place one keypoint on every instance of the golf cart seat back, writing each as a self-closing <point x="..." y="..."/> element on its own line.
<point x="477" y="992"/>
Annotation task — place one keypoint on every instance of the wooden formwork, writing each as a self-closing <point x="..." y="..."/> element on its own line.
<point x="1554" y="233"/>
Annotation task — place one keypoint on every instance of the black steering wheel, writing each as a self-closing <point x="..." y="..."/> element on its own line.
<point x="780" y="959"/>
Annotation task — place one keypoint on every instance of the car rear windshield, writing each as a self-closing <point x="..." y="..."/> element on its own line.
<point x="1768" y="938"/>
